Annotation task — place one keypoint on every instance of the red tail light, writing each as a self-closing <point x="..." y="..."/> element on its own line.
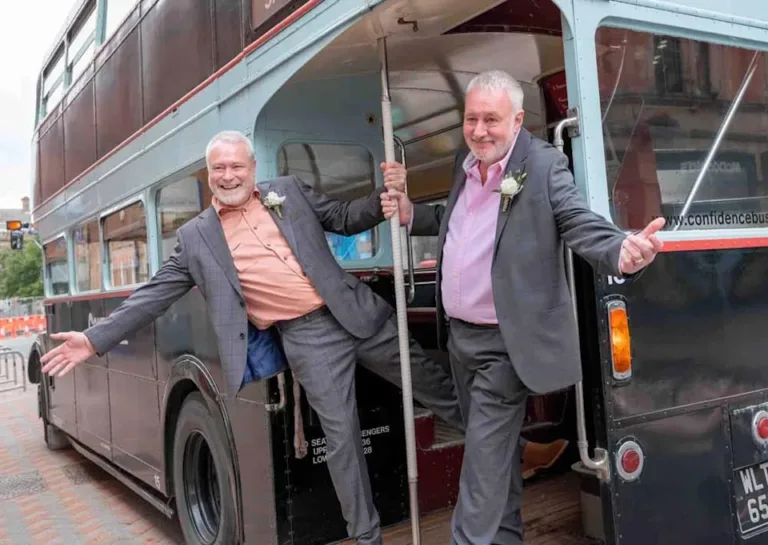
<point x="629" y="460"/>
<point x="760" y="428"/>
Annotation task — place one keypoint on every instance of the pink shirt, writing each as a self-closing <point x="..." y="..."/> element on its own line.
<point x="468" y="251"/>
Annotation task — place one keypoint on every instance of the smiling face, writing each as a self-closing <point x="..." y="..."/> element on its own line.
<point x="231" y="173"/>
<point x="490" y="124"/>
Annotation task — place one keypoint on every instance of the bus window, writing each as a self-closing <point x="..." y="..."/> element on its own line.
<point x="125" y="237"/>
<point x="178" y="203"/>
<point x="82" y="45"/>
<point x="53" y="84"/>
<point x="341" y="171"/>
<point x="117" y="11"/>
<point x="87" y="258"/>
<point x="424" y="249"/>
<point x="663" y="101"/>
<point x="56" y="267"/>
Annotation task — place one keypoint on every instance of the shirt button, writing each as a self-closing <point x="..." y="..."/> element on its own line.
<point x="242" y="335"/>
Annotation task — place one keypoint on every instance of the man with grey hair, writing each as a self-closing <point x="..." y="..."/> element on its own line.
<point x="504" y="309"/>
<point x="259" y="256"/>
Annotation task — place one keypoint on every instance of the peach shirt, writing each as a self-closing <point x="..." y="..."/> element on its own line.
<point x="274" y="284"/>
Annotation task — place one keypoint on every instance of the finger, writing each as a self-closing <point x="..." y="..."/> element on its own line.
<point x="54" y="363"/>
<point x="71" y="365"/>
<point x="657" y="244"/>
<point x="652" y="227"/>
<point x="626" y="265"/>
<point x="52" y="353"/>
<point x="644" y="246"/>
<point x="63" y="336"/>
<point x="632" y="250"/>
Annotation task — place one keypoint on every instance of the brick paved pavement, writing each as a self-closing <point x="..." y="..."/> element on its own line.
<point x="60" y="497"/>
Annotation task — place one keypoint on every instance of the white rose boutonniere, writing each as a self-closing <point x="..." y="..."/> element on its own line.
<point x="510" y="186"/>
<point x="273" y="201"/>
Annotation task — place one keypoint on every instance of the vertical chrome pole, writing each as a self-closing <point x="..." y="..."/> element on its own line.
<point x="402" y="317"/>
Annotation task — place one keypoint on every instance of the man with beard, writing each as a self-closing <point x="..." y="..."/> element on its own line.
<point x="259" y="254"/>
<point x="504" y="309"/>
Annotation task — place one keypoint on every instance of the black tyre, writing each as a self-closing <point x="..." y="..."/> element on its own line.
<point x="201" y="477"/>
<point x="55" y="439"/>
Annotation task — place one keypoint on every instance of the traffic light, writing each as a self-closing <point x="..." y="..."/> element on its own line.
<point x="17" y="240"/>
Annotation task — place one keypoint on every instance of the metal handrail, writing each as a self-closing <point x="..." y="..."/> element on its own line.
<point x="600" y="463"/>
<point x="408" y="243"/>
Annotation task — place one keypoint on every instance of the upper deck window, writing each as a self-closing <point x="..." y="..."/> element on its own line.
<point x="82" y="44"/>
<point x="117" y="11"/>
<point x="664" y="101"/>
<point x="53" y="84"/>
<point x="178" y="203"/>
<point x="125" y="237"/>
<point x="56" y="267"/>
<point x="339" y="171"/>
<point x="87" y="257"/>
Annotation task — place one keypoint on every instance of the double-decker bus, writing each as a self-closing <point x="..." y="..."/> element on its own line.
<point x="661" y="108"/>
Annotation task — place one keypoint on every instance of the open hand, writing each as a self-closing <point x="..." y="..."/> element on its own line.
<point x="75" y="349"/>
<point x="638" y="251"/>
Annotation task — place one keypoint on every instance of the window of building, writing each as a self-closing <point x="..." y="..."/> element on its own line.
<point x="178" y="203"/>
<point x="662" y="153"/>
<point x="125" y="238"/>
<point x="87" y="257"/>
<point x="668" y="65"/>
<point x="340" y="171"/>
<point x="56" y="267"/>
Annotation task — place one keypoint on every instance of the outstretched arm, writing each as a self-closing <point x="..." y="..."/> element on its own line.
<point x="344" y="217"/>
<point x="142" y="307"/>
<point x="607" y="249"/>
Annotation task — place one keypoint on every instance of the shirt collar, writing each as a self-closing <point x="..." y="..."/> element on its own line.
<point x="471" y="162"/>
<point x="222" y="208"/>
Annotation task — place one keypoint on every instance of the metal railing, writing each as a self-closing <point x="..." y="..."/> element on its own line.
<point x="16" y="307"/>
<point x="13" y="374"/>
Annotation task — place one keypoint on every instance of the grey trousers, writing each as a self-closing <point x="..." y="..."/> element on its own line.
<point x="493" y="402"/>
<point x="322" y="356"/>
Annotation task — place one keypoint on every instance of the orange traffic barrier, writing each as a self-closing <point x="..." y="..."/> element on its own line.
<point x="22" y="326"/>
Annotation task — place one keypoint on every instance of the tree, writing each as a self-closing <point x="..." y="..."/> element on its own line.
<point x="21" y="271"/>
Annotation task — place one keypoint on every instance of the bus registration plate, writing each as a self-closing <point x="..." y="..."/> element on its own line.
<point x="751" y="490"/>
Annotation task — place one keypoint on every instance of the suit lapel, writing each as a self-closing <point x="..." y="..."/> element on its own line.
<point x="212" y="233"/>
<point x="285" y="225"/>
<point x="516" y="163"/>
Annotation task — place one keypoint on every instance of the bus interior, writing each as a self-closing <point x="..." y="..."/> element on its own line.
<point x="654" y="138"/>
<point x="333" y="143"/>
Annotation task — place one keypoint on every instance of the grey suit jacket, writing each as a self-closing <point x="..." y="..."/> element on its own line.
<point x="530" y="288"/>
<point x="202" y="258"/>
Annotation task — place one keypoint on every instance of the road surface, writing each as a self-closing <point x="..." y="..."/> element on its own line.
<point x="59" y="497"/>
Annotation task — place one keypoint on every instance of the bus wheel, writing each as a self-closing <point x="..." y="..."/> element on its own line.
<point x="201" y="477"/>
<point x="55" y="439"/>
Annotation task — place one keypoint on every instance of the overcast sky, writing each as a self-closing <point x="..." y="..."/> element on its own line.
<point x="28" y="35"/>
